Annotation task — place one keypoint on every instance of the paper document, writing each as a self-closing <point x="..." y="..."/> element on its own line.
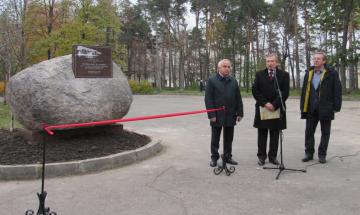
<point x="266" y="114"/>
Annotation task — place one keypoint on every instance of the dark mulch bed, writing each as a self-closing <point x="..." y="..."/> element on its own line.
<point x="15" y="149"/>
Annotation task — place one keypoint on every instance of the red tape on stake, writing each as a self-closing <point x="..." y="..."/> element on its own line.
<point x="49" y="128"/>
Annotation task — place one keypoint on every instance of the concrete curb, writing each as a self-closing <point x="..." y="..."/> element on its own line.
<point x="33" y="171"/>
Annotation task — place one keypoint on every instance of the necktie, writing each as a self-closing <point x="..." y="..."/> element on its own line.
<point x="271" y="73"/>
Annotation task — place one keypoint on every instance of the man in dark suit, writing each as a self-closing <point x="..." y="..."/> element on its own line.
<point x="265" y="92"/>
<point x="320" y="98"/>
<point x="222" y="90"/>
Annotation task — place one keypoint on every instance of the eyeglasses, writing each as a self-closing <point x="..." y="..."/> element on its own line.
<point x="225" y="66"/>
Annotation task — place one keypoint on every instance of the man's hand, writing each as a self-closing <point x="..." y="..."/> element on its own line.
<point x="213" y="119"/>
<point x="269" y="106"/>
<point x="238" y="118"/>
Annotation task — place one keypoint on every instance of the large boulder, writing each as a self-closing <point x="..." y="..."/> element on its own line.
<point x="49" y="93"/>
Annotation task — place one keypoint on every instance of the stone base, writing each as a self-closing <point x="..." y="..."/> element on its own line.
<point x="40" y="136"/>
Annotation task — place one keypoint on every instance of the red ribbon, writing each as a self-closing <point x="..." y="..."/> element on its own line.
<point x="49" y="128"/>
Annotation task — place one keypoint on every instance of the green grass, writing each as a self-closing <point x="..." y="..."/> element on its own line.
<point x="355" y="95"/>
<point x="5" y="117"/>
<point x="196" y="92"/>
<point x="295" y="93"/>
<point x="178" y="91"/>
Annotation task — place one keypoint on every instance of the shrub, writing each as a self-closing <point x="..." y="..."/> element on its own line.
<point x="142" y="87"/>
<point x="2" y="87"/>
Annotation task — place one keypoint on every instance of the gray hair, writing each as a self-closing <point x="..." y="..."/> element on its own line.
<point x="272" y="55"/>
<point x="321" y="53"/>
<point x="222" y="61"/>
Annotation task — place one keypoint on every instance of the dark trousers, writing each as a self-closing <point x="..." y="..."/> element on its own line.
<point x="262" y="140"/>
<point x="228" y="135"/>
<point x="311" y="123"/>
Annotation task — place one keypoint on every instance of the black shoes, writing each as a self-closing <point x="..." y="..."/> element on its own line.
<point x="213" y="162"/>
<point x="230" y="161"/>
<point x="274" y="161"/>
<point x="322" y="160"/>
<point x="307" y="158"/>
<point x="261" y="162"/>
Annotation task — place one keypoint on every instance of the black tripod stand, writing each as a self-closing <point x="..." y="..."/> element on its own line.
<point x="42" y="196"/>
<point x="281" y="167"/>
<point x="223" y="167"/>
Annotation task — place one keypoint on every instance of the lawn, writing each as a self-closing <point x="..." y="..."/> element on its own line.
<point x="353" y="96"/>
<point x="5" y="117"/>
<point x="196" y="92"/>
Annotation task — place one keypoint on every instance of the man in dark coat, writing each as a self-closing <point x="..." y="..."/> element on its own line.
<point x="265" y="92"/>
<point x="222" y="90"/>
<point x="320" y="98"/>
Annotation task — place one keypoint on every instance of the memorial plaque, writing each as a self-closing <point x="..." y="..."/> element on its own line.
<point x="92" y="61"/>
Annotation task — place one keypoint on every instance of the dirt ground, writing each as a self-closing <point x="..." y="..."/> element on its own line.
<point x="15" y="149"/>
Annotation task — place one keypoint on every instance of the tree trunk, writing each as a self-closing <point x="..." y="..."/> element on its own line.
<point x="130" y="57"/>
<point x="245" y="72"/>
<point x="233" y="53"/>
<point x="307" y="36"/>
<point x="174" y="64"/>
<point x="240" y="63"/>
<point x="145" y="60"/>
<point x="254" y="60"/>
<point x="22" y="60"/>
<point x="170" y="67"/>
<point x="163" y="68"/>
<point x="181" y="69"/>
<point x="197" y="37"/>
<point x="284" y="53"/>
<point x="207" y="42"/>
<point x="50" y="24"/>
<point x="348" y="6"/>
<point x="257" y="44"/>
<point x="296" y="51"/>
<point x="264" y="38"/>
<point x="332" y="45"/>
<point x="187" y="70"/>
<point x="247" y="57"/>
<point x="252" y="74"/>
<point x="351" y="55"/>
<point x="11" y="113"/>
<point x="177" y="48"/>
<point x="157" y="65"/>
<point x="7" y="78"/>
<point x="291" y="65"/>
<point x="337" y="29"/>
<point x="356" y="63"/>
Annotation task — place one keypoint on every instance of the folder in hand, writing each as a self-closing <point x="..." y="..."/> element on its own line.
<point x="266" y="114"/>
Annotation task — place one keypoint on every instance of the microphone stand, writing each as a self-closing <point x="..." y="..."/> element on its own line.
<point x="281" y="167"/>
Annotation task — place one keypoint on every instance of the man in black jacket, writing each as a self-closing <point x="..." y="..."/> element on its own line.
<point x="222" y="90"/>
<point x="320" y="98"/>
<point x="266" y="94"/>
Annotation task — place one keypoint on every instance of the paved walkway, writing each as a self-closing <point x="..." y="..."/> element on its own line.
<point x="180" y="181"/>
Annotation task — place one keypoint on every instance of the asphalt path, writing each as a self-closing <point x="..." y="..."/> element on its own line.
<point x="179" y="180"/>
